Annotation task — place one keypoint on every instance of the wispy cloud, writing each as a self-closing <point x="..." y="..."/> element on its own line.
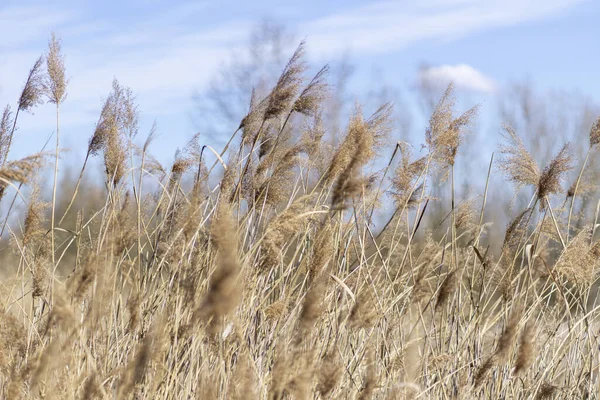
<point x="163" y="57"/>
<point x="386" y="26"/>
<point x="164" y="54"/>
<point x="463" y="76"/>
<point x="20" y="25"/>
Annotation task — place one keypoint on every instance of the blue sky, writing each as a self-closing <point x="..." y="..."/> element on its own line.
<point x="166" y="50"/>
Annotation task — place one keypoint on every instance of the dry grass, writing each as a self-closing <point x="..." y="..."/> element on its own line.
<point x="275" y="283"/>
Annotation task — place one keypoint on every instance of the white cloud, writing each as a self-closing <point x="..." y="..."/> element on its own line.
<point x="463" y="76"/>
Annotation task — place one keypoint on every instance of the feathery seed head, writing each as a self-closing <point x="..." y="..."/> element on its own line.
<point x="322" y="251"/>
<point x="114" y="159"/>
<point x="56" y="82"/>
<point x="313" y="134"/>
<point x="516" y="228"/>
<point x="223" y="293"/>
<point x="330" y="373"/>
<point x="508" y="336"/>
<point x="5" y="132"/>
<point x="446" y="290"/>
<point x="350" y="182"/>
<point x="518" y="164"/>
<point x="445" y="132"/>
<point x="31" y="95"/>
<point x="364" y="313"/>
<point x="525" y="354"/>
<point x="546" y="391"/>
<point x="34" y="217"/>
<point x="361" y="143"/>
<point x="310" y="98"/>
<point x="465" y="214"/>
<point x="406" y="192"/>
<point x="21" y="170"/>
<point x="579" y="261"/>
<point x="287" y="85"/>
<point x="251" y="123"/>
<point x="279" y="231"/>
<point x="312" y="307"/>
<point x="552" y="175"/>
<point x="595" y="133"/>
<point x="119" y="118"/>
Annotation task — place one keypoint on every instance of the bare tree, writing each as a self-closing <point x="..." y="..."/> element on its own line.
<point x="253" y="68"/>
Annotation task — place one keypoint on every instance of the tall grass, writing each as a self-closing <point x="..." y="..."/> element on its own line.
<point x="264" y="276"/>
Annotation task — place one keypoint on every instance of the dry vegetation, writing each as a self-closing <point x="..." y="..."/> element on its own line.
<point x="274" y="282"/>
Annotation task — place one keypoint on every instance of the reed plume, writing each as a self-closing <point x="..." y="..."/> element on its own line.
<point x="224" y="291"/>
<point x="32" y="93"/>
<point x="446" y="132"/>
<point x="309" y="100"/>
<point x="552" y="176"/>
<point x="595" y="133"/>
<point x="526" y="352"/>
<point x="286" y="88"/>
<point x="518" y="164"/>
<point x="406" y="190"/>
<point x="286" y="276"/>
<point x="56" y="90"/>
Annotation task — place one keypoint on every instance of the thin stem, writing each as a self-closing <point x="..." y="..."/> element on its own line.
<point x="224" y="150"/>
<point x="587" y="156"/>
<point x="555" y="224"/>
<point x="272" y="148"/>
<point x="12" y="203"/>
<point x="5" y="155"/>
<point x="55" y="181"/>
<point x="247" y="165"/>
<point x="382" y="179"/>
<point x="139" y="215"/>
<point x="76" y="189"/>
<point x="485" y="193"/>
<point x="10" y="138"/>
<point x="454" y="256"/>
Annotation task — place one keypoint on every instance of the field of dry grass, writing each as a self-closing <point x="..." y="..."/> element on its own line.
<point x="263" y="275"/>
